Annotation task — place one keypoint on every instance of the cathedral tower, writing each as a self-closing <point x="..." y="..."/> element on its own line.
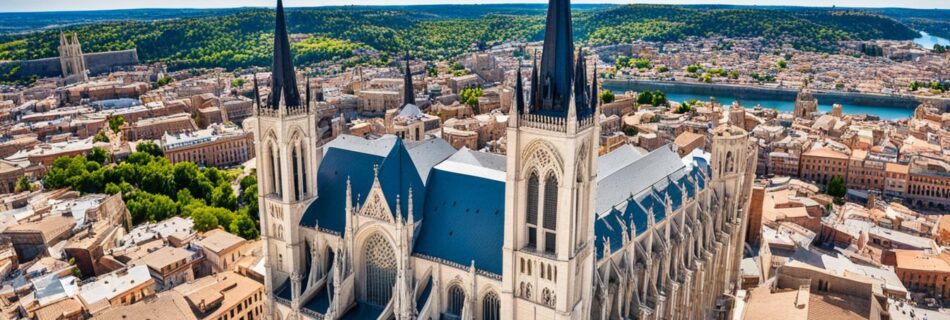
<point x="288" y="156"/>
<point x="550" y="184"/>
<point x="71" y="58"/>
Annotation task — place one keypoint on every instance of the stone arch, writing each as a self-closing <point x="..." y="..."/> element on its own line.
<point x="379" y="267"/>
<point x="455" y="299"/>
<point x="543" y="157"/>
<point x="490" y="305"/>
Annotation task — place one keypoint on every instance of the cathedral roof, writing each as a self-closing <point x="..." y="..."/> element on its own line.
<point x="354" y="157"/>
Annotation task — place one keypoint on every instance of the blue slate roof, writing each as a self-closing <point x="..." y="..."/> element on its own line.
<point x="460" y="225"/>
<point x="354" y="157"/>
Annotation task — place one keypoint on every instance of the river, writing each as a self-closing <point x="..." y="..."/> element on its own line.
<point x="928" y="41"/>
<point x="824" y="105"/>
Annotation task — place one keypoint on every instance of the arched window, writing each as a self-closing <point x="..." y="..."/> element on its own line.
<point x="532" y="210"/>
<point x="491" y="306"/>
<point x="296" y="176"/>
<point x="380" y="270"/>
<point x="456" y="301"/>
<point x="550" y="213"/>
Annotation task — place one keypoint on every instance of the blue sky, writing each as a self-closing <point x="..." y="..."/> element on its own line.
<point x="70" y="5"/>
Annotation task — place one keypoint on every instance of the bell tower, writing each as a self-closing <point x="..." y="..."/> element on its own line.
<point x="550" y="184"/>
<point x="288" y="155"/>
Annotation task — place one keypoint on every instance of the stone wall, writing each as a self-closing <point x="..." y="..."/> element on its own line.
<point x="97" y="63"/>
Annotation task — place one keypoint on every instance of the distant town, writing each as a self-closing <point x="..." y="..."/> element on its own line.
<point x="705" y="178"/>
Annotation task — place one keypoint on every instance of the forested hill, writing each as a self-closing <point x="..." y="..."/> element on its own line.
<point x="242" y="37"/>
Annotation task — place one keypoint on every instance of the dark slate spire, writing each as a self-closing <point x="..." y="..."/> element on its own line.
<point x="535" y="85"/>
<point x="519" y="92"/>
<point x="257" y="92"/>
<point x="408" y="97"/>
<point x="557" y="61"/>
<point x="283" y="79"/>
<point x="307" y="90"/>
<point x="594" y="95"/>
<point x="580" y="84"/>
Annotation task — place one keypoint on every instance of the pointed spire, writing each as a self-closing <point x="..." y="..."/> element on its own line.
<point x="408" y="96"/>
<point x="557" y="63"/>
<point x="535" y="85"/>
<point x="519" y="92"/>
<point x="580" y="84"/>
<point x="257" y="92"/>
<point x="62" y="38"/>
<point x="283" y="79"/>
<point x="411" y="218"/>
<point x="594" y="95"/>
<point x="307" y="89"/>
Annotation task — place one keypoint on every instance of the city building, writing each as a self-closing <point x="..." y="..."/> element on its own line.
<point x="219" y="145"/>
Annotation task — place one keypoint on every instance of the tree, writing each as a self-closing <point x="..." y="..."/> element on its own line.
<point x="244" y="226"/>
<point x="782" y="64"/>
<point x="98" y="155"/>
<point x="204" y="220"/>
<point x="23" y="184"/>
<point x="836" y="187"/>
<point x="470" y="97"/>
<point x="645" y="97"/>
<point x="150" y="148"/>
<point x="164" y="80"/>
<point x="115" y="122"/>
<point x="100" y="137"/>
<point x="630" y="131"/>
<point x="607" y="96"/>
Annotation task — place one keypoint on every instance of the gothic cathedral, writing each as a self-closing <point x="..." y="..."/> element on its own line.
<point x="391" y="229"/>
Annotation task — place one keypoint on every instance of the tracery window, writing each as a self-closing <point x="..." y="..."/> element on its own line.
<point x="456" y="301"/>
<point x="550" y="213"/>
<point x="491" y="306"/>
<point x="532" y="207"/>
<point x="380" y="270"/>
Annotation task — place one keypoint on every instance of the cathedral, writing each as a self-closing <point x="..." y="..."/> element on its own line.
<point x="393" y="229"/>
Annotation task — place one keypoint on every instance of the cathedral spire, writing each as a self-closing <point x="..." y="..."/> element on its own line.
<point x="580" y="84"/>
<point x="594" y="95"/>
<point x="283" y="79"/>
<point x="535" y="85"/>
<point x="307" y="90"/>
<point x="557" y="63"/>
<point x="257" y="92"/>
<point x="519" y="92"/>
<point x="408" y="97"/>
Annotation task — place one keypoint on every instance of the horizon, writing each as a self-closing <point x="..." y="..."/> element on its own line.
<point x="48" y="6"/>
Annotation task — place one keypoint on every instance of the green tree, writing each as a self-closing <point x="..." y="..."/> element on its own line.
<point x="645" y="97"/>
<point x="470" y="97"/>
<point x="836" y="187"/>
<point x="244" y="226"/>
<point x="23" y="184"/>
<point x="782" y="64"/>
<point x="607" y="96"/>
<point x="100" y="137"/>
<point x="115" y="122"/>
<point x="98" y="155"/>
<point x="150" y="148"/>
<point x="204" y="220"/>
<point x="164" y="80"/>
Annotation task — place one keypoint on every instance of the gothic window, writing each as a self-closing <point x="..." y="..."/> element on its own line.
<point x="491" y="306"/>
<point x="550" y="213"/>
<point x="729" y="164"/>
<point x="296" y="176"/>
<point x="380" y="270"/>
<point x="532" y="208"/>
<point x="456" y="301"/>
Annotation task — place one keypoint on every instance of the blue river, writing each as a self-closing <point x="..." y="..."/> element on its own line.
<point x="886" y="113"/>
<point x="928" y="41"/>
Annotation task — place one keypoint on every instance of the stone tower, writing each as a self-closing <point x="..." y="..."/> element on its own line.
<point x="71" y="58"/>
<point x="805" y="104"/>
<point x="550" y="184"/>
<point x="733" y="159"/>
<point x="288" y="156"/>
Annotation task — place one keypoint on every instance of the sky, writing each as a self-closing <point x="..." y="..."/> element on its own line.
<point x="75" y="5"/>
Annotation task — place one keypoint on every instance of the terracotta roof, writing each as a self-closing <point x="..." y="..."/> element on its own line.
<point x="920" y="260"/>
<point x="896" y="168"/>
<point x="219" y="241"/>
<point x="825" y="153"/>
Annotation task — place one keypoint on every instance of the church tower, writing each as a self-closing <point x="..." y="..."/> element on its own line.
<point x="553" y="140"/>
<point x="71" y="58"/>
<point x="288" y="155"/>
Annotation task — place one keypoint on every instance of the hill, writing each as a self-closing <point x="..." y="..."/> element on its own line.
<point x="241" y="37"/>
